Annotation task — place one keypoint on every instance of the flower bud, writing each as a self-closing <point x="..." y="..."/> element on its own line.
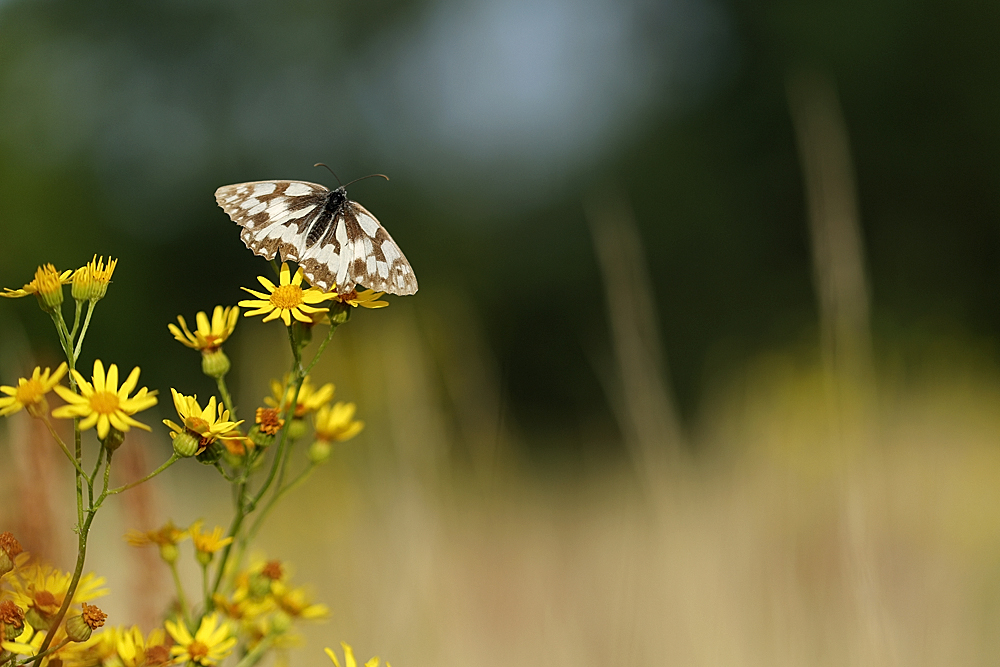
<point x="204" y="557"/>
<point x="319" y="451"/>
<point x="114" y="439"/>
<point x="169" y="553"/>
<point x="37" y="620"/>
<point x="6" y="563"/>
<point x="215" y="364"/>
<point x="77" y="629"/>
<point x="211" y="454"/>
<point x="339" y="313"/>
<point x="186" y="445"/>
<point x="260" y="586"/>
<point x="281" y="623"/>
<point x="260" y="438"/>
<point x="297" y="429"/>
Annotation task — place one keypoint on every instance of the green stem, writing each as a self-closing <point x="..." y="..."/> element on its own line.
<point x="81" y="557"/>
<point x="181" y="598"/>
<point x="227" y="398"/>
<point x="322" y="346"/>
<point x="93" y="476"/>
<point x="76" y="319"/>
<point x="42" y="655"/>
<point x="281" y="493"/>
<point x="254" y="656"/>
<point x="62" y="445"/>
<point x="83" y="331"/>
<point x="174" y="458"/>
<point x="204" y="585"/>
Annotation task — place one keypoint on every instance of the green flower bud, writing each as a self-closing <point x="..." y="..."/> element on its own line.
<point x="319" y="451"/>
<point x="204" y="557"/>
<point x="186" y="445"/>
<point x="339" y="313"/>
<point x="6" y="563"/>
<point x="114" y="439"/>
<point x="169" y="553"/>
<point x="215" y="364"/>
<point x="261" y="439"/>
<point x="77" y="629"/>
<point x="35" y="619"/>
<point x="211" y="454"/>
<point x="297" y="429"/>
<point x="281" y="623"/>
<point x="260" y="586"/>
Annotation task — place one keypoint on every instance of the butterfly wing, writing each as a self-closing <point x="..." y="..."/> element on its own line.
<point x="275" y="215"/>
<point x="370" y="257"/>
<point x="353" y="249"/>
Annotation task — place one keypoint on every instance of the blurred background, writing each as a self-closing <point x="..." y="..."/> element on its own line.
<point x="703" y="365"/>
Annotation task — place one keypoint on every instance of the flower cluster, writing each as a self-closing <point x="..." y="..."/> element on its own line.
<point x="46" y="615"/>
<point x="32" y="595"/>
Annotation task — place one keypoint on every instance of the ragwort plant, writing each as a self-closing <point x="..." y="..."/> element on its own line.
<point x="243" y="610"/>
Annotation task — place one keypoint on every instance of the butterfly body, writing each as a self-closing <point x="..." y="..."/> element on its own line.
<point x="336" y="241"/>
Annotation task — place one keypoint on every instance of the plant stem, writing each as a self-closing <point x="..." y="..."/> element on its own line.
<point x="181" y="598"/>
<point x="83" y="331"/>
<point x="227" y="398"/>
<point x="62" y="445"/>
<point x="174" y="458"/>
<point x="81" y="557"/>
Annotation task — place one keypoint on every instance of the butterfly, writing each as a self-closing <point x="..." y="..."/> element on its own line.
<point x="336" y="241"/>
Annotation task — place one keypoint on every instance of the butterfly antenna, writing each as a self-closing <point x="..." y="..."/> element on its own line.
<point x="368" y="176"/>
<point x="320" y="164"/>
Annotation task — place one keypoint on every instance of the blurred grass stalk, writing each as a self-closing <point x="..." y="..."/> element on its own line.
<point x="637" y="391"/>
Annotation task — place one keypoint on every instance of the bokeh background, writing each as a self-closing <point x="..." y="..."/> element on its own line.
<point x="703" y="366"/>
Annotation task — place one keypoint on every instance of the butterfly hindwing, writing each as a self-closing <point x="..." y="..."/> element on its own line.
<point x="334" y="240"/>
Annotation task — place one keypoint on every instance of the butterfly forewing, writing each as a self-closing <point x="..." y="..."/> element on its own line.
<point x="335" y="241"/>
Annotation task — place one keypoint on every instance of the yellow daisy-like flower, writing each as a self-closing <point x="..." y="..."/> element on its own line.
<point x="47" y="280"/>
<point x="90" y="281"/>
<point x="337" y="423"/>
<point x="366" y="299"/>
<point x="309" y="400"/>
<point x="209" y="645"/>
<point x="208" y="336"/>
<point x="104" y="403"/>
<point x="349" y="660"/>
<point x="287" y="300"/>
<point x="207" y="543"/>
<point x="295" y="602"/>
<point x="168" y="533"/>
<point x="123" y="647"/>
<point x="207" y="425"/>
<point x="30" y="392"/>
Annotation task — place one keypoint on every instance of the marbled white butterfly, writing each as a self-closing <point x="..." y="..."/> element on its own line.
<point x="336" y="241"/>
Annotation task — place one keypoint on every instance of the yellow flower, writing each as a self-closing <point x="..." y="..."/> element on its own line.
<point x="286" y="300"/>
<point x="349" y="660"/>
<point x="366" y="299"/>
<point x="168" y="533"/>
<point x="209" y="645"/>
<point x="47" y="279"/>
<point x="30" y="392"/>
<point x="337" y="423"/>
<point x="207" y="543"/>
<point x="207" y="425"/>
<point x="41" y="589"/>
<point x="90" y="281"/>
<point x="208" y="336"/>
<point x="295" y="602"/>
<point x="309" y="400"/>
<point x="104" y="403"/>
<point x="121" y="647"/>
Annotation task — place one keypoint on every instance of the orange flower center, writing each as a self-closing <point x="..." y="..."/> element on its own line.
<point x="197" y="651"/>
<point x="287" y="297"/>
<point x="29" y="392"/>
<point x="104" y="402"/>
